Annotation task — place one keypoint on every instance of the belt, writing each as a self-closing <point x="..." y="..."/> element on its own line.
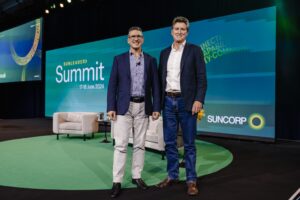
<point x="137" y="99"/>
<point x="173" y="94"/>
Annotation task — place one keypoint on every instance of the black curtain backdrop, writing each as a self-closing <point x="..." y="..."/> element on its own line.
<point x="92" y="20"/>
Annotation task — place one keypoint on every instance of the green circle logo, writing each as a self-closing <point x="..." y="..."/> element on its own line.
<point x="256" y="121"/>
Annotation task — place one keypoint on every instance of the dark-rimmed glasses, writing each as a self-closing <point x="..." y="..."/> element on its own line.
<point x="135" y="36"/>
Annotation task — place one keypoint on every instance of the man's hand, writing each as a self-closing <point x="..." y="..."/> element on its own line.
<point x="155" y="115"/>
<point x="111" y="115"/>
<point x="197" y="106"/>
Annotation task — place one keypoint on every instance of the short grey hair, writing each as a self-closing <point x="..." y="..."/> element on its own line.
<point x="180" y="19"/>
<point x="134" y="28"/>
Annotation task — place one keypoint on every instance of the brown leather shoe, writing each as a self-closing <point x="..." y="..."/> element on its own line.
<point x="192" y="188"/>
<point x="167" y="182"/>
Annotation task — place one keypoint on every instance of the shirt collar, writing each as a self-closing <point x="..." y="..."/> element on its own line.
<point x="141" y="55"/>
<point x="181" y="46"/>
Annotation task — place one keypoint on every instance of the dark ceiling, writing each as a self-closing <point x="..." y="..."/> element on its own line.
<point x="13" y="12"/>
<point x="10" y="7"/>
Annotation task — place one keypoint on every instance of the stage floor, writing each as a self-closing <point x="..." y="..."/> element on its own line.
<point x="258" y="171"/>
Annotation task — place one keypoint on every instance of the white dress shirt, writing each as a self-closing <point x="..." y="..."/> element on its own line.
<point x="173" y="69"/>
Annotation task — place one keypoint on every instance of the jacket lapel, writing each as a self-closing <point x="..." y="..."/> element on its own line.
<point x="165" y="62"/>
<point x="146" y="66"/>
<point x="184" y="56"/>
<point x="127" y="65"/>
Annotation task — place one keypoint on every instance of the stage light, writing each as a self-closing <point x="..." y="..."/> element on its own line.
<point x="53" y="6"/>
<point x="61" y="5"/>
<point x="69" y="1"/>
<point x="47" y="11"/>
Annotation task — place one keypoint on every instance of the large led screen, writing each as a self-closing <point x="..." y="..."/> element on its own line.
<point x="239" y="52"/>
<point x="21" y="52"/>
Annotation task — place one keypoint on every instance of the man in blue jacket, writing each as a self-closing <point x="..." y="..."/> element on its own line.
<point x="183" y="82"/>
<point x="133" y="94"/>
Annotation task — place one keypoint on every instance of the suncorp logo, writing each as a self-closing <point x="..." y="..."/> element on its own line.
<point x="217" y="119"/>
<point x="256" y="121"/>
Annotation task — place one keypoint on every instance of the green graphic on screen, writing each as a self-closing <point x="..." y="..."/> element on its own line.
<point x="21" y="52"/>
<point x="239" y="52"/>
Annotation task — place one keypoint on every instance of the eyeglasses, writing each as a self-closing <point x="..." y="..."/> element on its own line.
<point x="135" y="36"/>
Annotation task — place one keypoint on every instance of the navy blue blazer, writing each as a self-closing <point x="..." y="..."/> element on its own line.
<point x="119" y="87"/>
<point x="193" y="81"/>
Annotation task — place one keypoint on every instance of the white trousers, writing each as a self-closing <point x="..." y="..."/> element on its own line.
<point x="135" y="121"/>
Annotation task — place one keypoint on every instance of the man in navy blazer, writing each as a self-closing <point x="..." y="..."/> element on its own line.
<point x="183" y="83"/>
<point x="133" y="94"/>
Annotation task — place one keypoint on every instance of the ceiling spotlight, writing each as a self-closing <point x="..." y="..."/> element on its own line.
<point x="69" y="1"/>
<point x="47" y="11"/>
<point x="61" y="5"/>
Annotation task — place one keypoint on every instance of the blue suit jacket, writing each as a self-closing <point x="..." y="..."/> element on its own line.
<point x="119" y="87"/>
<point x="193" y="81"/>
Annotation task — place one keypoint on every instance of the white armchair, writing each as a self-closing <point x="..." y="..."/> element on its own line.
<point x="75" y="123"/>
<point x="154" y="135"/>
